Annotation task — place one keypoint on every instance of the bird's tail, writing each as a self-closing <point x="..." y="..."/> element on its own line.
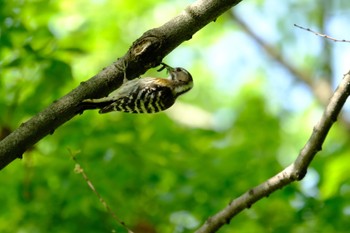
<point x="90" y="104"/>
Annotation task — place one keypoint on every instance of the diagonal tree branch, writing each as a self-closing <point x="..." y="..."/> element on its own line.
<point x="295" y="171"/>
<point x="146" y="52"/>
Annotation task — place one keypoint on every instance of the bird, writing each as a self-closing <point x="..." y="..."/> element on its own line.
<point x="145" y="95"/>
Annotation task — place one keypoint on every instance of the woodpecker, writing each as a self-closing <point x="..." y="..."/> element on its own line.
<point x="145" y="95"/>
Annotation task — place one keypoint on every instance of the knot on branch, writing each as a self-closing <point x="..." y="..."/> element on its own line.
<point x="146" y="48"/>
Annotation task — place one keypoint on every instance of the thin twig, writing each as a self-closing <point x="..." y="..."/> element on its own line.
<point x="320" y="34"/>
<point x="295" y="171"/>
<point x="79" y="170"/>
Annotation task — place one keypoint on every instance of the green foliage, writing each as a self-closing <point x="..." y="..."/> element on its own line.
<point x="155" y="171"/>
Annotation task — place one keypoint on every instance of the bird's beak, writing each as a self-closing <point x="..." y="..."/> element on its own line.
<point x="165" y="66"/>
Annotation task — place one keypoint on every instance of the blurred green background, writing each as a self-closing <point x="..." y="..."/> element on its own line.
<point x="252" y="109"/>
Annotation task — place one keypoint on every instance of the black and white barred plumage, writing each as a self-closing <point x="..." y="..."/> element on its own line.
<point x="145" y="95"/>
